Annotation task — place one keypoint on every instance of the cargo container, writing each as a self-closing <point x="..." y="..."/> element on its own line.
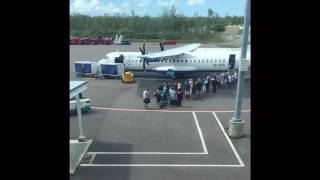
<point x="101" y="41"/>
<point x="106" y="41"/>
<point x="170" y="42"/>
<point x="111" y="69"/>
<point x="85" y="41"/>
<point x="74" y="41"/>
<point x="85" y="68"/>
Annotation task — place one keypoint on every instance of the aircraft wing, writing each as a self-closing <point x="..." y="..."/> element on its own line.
<point x="175" y="68"/>
<point x="172" y="52"/>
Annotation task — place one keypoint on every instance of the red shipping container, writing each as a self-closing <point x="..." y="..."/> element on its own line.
<point x="74" y="41"/>
<point x="107" y="41"/>
<point x="85" y="41"/>
<point x="95" y="41"/>
<point x="170" y="42"/>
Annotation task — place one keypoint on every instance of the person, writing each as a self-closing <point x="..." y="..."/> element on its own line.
<point x="208" y="84"/>
<point x="179" y="85"/>
<point x="173" y="96"/>
<point x="199" y="86"/>
<point x="157" y="95"/>
<point x="146" y="98"/>
<point x="164" y="97"/>
<point x="186" y="87"/>
<point x="180" y="97"/>
<point x="218" y="80"/>
<point x="174" y="85"/>
<point x="233" y="80"/>
<point x="191" y="86"/>
<point x="214" y="85"/>
<point x="235" y="77"/>
<point x="205" y="85"/>
<point x="230" y="80"/>
<point x="222" y="81"/>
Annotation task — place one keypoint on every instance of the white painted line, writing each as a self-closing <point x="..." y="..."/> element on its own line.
<point x="205" y="151"/>
<point x="228" y="139"/>
<point x="162" y="165"/>
<point x="166" y="153"/>
<point x="200" y="133"/>
<point x="154" y="110"/>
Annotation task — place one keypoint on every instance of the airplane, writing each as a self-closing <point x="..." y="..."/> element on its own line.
<point x="176" y="62"/>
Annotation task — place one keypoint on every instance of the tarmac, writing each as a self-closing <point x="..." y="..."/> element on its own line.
<point x="130" y="142"/>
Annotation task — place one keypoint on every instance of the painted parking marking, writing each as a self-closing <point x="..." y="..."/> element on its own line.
<point x="200" y="133"/>
<point x="204" y="147"/>
<point x="162" y="165"/>
<point x="228" y="139"/>
<point x="241" y="164"/>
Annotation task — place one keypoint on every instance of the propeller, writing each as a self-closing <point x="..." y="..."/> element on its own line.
<point x="143" y="52"/>
<point x="147" y="60"/>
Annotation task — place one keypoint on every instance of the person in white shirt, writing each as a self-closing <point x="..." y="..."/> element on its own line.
<point x="229" y="80"/>
<point x="146" y="98"/>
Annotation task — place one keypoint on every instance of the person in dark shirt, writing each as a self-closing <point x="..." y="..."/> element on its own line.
<point x="180" y="96"/>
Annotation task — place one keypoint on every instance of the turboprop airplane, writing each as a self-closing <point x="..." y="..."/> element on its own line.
<point x="178" y="61"/>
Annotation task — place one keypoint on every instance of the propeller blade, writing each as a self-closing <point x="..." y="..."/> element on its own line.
<point x="141" y="51"/>
<point x="144" y="46"/>
<point x="144" y="65"/>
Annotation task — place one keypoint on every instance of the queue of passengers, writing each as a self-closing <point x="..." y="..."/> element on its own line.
<point x="198" y="86"/>
<point x="172" y="93"/>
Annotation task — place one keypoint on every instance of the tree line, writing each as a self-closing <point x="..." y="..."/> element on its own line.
<point x="169" y="25"/>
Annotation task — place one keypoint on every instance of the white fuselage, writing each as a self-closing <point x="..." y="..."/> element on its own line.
<point x="201" y="59"/>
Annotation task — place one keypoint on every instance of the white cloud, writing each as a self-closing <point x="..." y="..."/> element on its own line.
<point x="166" y="2"/>
<point x="143" y="3"/>
<point x="195" y="2"/>
<point x="84" y="6"/>
<point x="95" y="7"/>
<point x="110" y="9"/>
<point x="125" y="5"/>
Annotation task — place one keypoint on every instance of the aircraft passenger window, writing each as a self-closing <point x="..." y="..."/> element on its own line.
<point x="199" y="61"/>
<point x="178" y="60"/>
<point x="174" y="60"/>
<point x="211" y="60"/>
<point x="169" y="60"/>
<point x="219" y="61"/>
<point x="186" y="60"/>
<point x="194" y="60"/>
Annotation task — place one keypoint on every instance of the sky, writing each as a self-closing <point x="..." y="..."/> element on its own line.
<point x="155" y="7"/>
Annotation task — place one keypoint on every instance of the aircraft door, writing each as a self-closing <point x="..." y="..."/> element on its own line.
<point x="119" y="59"/>
<point x="232" y="61"/>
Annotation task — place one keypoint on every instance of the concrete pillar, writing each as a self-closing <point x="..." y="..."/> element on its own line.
<point x="82" y="137"/>
<point x="236" y="128"/>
